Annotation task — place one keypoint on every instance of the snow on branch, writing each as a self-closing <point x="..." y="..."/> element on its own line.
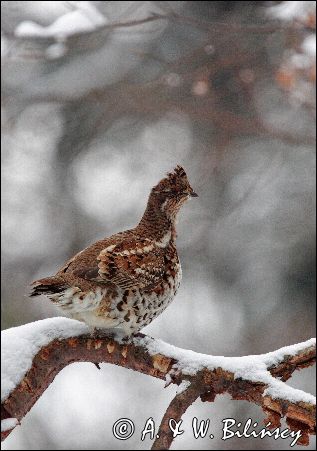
<point x="33" y="354"/>
<point x="64" y="26"/>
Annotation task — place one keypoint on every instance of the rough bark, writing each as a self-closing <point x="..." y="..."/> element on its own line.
<point x="206" y="383"/>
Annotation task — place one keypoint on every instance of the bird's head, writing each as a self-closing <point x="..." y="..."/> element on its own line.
<point x="172" y="192"/>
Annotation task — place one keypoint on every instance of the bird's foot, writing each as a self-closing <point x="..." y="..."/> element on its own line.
<point x="173" y="377"/>
<point x="101" y="333"/>
<point x="117" y="335"/>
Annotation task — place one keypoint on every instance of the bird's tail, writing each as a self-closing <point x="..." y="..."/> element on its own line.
<point x="48" y="285"/>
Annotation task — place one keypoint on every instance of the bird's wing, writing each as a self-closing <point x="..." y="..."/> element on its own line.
<point x="128" y="264"/>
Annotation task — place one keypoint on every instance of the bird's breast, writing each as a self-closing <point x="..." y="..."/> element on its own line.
<point x="136" y="308"/>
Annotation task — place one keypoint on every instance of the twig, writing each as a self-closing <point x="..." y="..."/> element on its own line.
<point x="174" y="412"/>
<point x="214" y="27"/>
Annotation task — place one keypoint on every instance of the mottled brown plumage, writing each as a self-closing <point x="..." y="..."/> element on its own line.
<point x="123" y="282"/>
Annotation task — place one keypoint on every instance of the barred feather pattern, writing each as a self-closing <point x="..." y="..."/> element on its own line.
<point x="125" y="281"/>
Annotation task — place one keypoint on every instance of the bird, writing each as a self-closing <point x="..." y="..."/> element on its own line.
<point x="123" y="282"/>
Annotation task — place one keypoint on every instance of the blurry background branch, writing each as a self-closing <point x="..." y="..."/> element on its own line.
<point x="244" y="378"/>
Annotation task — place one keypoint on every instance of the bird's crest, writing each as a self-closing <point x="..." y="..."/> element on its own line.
<point x="177" y="172"/>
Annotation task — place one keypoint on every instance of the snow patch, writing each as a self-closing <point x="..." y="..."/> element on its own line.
<point x="309" y="45"/>
<point x="19" y="345"/>
<point x="279" y="390"/>
<point x="182" y="387"/>
<point x="8" y="424"/>
<point x="252" y="367"/>
<point x="85" y="17"/>
<point x="290" y="10"/>
<point x="56" y="50"/>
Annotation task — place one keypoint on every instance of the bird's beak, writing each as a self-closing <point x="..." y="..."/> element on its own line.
<point x="193" y="194"/>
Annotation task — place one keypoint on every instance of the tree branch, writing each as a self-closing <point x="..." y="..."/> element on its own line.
<point x="175" y="411"/>
<point x="257" y="379"/>
<point x="215" y="27"/>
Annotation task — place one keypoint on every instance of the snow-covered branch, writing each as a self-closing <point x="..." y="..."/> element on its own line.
<point x="27" y="30"/>
<point x="33" y="354"/>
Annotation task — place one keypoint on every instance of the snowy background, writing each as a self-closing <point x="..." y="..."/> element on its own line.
<point x="93" y="115"/>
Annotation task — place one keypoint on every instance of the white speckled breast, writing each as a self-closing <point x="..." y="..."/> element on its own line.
<point x="74" y="300"/>
<point x="141" y="307"/>
<point x="130" y="310"/>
